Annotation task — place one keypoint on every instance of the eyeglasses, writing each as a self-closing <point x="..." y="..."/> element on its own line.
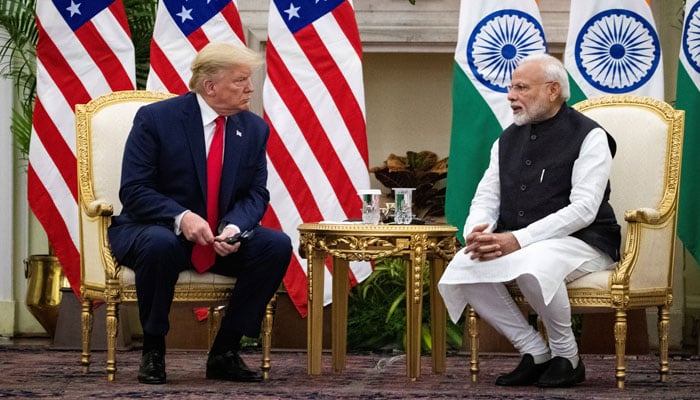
<point x="522" y="88"/>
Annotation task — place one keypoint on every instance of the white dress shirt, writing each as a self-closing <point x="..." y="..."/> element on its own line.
<point x="209" y="117"/>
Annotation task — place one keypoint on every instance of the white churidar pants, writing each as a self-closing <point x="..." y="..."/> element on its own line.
<point x="540" y="271"/>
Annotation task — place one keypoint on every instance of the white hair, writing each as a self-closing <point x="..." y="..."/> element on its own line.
<point x="553" y="71"/>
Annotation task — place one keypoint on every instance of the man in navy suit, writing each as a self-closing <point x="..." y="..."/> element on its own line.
<point x="164" y="192"/>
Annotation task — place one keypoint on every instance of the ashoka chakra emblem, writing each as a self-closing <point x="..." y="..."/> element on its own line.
<point x="617" y="51"/>
<point x="499" y="42"/>
<point x="691" y="37"/>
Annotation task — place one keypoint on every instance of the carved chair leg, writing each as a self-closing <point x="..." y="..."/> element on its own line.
<point x="86" y="330"/>
<point x="620" y="345"/>
<point x="663" y="326"/>
<point x="111" y="326"/>
<point x="473" y="326"/>
<point x="213" y="324"/>
<point x="267" y="336"/>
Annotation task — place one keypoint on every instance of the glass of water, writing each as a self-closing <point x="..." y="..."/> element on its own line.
<point x="404" y="213"/>
<point x="370" y="205"/>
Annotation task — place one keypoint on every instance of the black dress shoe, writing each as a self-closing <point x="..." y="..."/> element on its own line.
<point x="229" y="366"/>
<point x="525" y="374"/>
<point x="152" y="369"/>
<point x="562" y="374"/>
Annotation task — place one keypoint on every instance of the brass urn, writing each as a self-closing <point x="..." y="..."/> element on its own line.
<point x="44" y="282"/>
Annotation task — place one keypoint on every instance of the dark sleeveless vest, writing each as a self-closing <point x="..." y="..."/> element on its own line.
<point x="536" y="162"/>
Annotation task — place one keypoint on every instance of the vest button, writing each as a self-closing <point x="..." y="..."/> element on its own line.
<point x="523" y="187"/>
<point x="533" y="137"/>
<point x="528" y="162"/>
<point x="521" y="213"/>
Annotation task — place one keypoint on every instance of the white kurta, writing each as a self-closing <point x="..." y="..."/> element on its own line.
<point x="547" y="251"/>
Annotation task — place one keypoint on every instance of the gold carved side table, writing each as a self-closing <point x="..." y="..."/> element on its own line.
<point x="363" y="242"/>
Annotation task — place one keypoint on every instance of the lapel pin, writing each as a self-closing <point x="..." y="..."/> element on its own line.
<point x="238" y="133"/>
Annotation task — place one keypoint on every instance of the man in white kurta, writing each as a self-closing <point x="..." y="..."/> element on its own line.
<point x="539" y="217"/>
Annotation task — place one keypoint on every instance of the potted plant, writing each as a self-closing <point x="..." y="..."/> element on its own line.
<point x="376" y="320"/>
<point x="423" y="171"/>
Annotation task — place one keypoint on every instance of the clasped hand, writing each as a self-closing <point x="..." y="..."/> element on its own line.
<point x="487" y="246"/>
<point x="196" y="229"/>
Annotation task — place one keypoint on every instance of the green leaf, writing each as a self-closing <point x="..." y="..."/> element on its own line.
<point x="455" y="335"/>
<point x="141" y="16"/>
<point x="426" y="337"/>
<point x="21" y="128"/>
<point x="394" y="304"/>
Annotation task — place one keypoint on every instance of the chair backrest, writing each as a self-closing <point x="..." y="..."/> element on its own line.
<point x="645" y="174"/>
<point x="102" y="126"/>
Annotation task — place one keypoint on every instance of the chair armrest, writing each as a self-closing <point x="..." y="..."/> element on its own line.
<point x="643" y="215"/>
<point x="646" y="243"/>
<point x="99" y="208"/>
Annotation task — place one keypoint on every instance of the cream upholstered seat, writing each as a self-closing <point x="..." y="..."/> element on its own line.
<point x="645" y="181"/>
<point x="102" y="126"/>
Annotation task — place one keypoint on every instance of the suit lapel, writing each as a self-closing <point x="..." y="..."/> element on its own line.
<point x="194" y="131"/>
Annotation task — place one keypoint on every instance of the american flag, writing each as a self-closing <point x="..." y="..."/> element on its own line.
<point x="313" y="99"/>
<point x="181" y="29"/>
<point x="84" y="50"/>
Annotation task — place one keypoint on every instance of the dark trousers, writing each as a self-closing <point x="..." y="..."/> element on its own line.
<point x="158" y="256"/>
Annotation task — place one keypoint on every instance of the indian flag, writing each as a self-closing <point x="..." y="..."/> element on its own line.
<point x="493" y="37"/>
<point x="612" y="48"/>
<point x="688" y="99"/>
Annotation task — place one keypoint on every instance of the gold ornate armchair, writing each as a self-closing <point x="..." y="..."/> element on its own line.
<point x="645" y="181"/>
<point x="102" y="126"/>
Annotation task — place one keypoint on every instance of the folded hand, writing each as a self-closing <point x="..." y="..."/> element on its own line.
<point x="488" y="246"/>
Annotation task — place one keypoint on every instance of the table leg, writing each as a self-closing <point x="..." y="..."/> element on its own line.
<point x="314" y="319"/>
<point x="414" y="311"/>
<point x="438" y="317"/>
<point x="339" y="316"/>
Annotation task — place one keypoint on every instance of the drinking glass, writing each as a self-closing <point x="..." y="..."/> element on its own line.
<point x="370" y="205"/>
<point x="404" y="212"/>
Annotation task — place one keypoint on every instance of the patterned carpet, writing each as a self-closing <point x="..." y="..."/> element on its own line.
<point x="40" y="372"/>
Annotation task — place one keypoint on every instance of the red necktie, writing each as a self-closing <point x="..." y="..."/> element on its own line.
<point x="203" y="257"/>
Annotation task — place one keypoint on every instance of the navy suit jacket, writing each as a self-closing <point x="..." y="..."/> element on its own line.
<point x="164" y="170"/>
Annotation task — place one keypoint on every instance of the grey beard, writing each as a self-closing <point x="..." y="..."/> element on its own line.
<point x="522" y="119"/>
